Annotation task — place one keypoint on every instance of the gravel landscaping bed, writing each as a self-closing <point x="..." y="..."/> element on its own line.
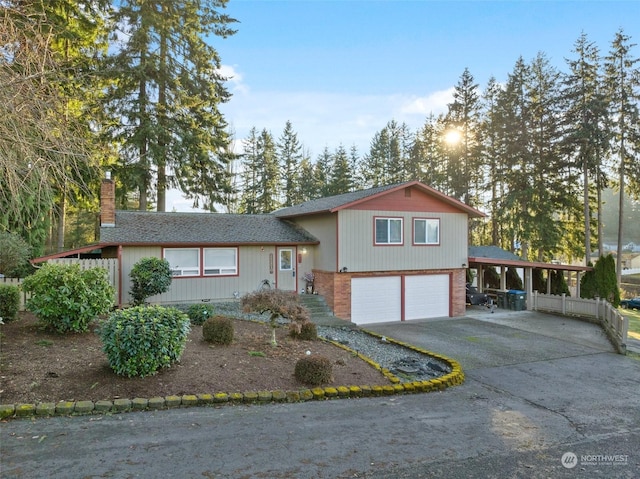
<point x="406" y="364"/>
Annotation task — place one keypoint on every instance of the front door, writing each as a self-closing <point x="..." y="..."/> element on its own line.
<point x="286" y="279"/>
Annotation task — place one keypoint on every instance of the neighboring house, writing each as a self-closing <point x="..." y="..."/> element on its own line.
<point x="390" y="253"/>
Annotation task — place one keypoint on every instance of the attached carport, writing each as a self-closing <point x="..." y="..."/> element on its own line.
<point x="482" y="257"/>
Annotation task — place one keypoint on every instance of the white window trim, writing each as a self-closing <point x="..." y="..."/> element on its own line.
<point x="427" y="221"/>
<point x="186" y="271"/>
<point x="222" y="270"/>
<point x="290" y="268"/>
<point x="388" y="220"/>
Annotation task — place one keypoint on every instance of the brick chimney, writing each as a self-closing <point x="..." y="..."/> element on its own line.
<point x="108" y="202"/>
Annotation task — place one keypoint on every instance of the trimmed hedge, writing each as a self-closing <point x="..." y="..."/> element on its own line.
<point x="140" y="340"/>
<point x="218" y="330"/>
<point x="314" y="370"/>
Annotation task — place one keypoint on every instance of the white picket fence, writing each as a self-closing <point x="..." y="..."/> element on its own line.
<point x="111" y="265"/>
<point x="613" y="323"/>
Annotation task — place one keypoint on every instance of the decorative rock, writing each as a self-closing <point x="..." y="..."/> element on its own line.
<point x="279" y="396"/>
<point x="264" y="396"/>
<point x="23" y="410"/>
<point x="189" y="400"/>
<point x="64" y="407"/>
<point x="343" y="391"/>
<point x="220" y="397"/>
<point x="306" y="395"/>
<point x="84" y="407"/>
<point x="139" y="404"/>
<point x="103" y="406"/>
<point x="250" y="396"/>
<point x="330" y="392"/>
<point x="120" y="405"/>
<point x="236" y="397"/>
<point x="47" y="409"/>
<point x="156" y="403"/>
<point x="205" y="398"/>
<point x="7" y="410"/>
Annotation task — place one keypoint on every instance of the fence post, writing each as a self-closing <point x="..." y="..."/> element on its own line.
<point x="564" y="303"/>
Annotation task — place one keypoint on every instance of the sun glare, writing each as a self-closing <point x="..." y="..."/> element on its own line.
<point x="452" y="137"/>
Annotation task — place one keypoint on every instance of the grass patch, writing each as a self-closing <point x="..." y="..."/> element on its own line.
<point x="257" y="354"/>
<point x="44" y="342"/>
<point x="633" y="316"/>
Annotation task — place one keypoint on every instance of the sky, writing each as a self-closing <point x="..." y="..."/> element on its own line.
<point x="340" y="70"/>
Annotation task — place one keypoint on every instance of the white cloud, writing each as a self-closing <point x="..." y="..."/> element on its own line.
<point x="329" y="119"/>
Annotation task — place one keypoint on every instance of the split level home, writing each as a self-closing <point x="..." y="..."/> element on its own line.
<point x="391" y="253"/>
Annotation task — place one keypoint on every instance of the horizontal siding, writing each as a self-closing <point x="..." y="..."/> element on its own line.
<point x="407" y="199"/>
<point x="358" y="253"/>
<point x="254" y="267"/>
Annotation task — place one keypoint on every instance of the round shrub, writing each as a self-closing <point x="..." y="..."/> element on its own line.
<point x="199" y="313"/>
<point x="9" y="302"/>
<point x="140" y="340"/>
<point x="149" y="276"/>
<point x="314" y="370"/>
<point x="306" y="331"/>
<point x="218" y="330"/>
<point x="66" y="298"/>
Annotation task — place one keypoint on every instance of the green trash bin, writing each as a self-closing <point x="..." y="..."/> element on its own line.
<point x="517" y="300"/>
<point x="502" y="299"/>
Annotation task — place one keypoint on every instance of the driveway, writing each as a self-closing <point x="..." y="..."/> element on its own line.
<point x="538" y="388"/>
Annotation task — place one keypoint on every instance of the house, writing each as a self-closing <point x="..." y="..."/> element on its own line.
<point x="396" y="252"/>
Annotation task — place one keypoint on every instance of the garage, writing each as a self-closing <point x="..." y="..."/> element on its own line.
<point x="376" y="299"/>
<point x="426" y="296"/>
<point x="380" y="299"/>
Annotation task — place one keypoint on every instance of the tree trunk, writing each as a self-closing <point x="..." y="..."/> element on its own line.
<point x="587" y="212"/>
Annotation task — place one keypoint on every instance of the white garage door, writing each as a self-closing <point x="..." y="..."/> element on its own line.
<point x="376" y="300"/>
<point x="426" y="296"/>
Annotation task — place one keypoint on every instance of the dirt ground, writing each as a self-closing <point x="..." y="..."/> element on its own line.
<point x="40" y="366"/>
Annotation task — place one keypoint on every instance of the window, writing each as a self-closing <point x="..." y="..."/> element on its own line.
<point x="426" y="231"/>
<point x="183" y="261"/>
<point x="286" y="263"/>
<point x="388" y="231"/>
<point x="220" y="261"/>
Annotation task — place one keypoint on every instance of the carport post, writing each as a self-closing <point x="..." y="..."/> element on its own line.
<point x="528" y="285"/>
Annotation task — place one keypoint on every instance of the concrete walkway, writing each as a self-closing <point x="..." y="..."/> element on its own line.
<point x="545" y="397"/>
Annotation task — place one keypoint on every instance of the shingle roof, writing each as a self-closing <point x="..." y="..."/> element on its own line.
<point x="333" y="203"/>
<point x="140" y="227"/>
<point x="492" y="252"/>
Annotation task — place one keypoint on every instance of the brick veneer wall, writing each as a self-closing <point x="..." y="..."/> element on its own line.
<point x="336" y="288"/>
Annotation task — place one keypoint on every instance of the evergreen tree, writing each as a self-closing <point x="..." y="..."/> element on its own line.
<point x="340" y="175"/>
<point x="321" y="172"/>
<point x="585" y="128"/>
<point x="269" y="176"/>
<point x="250" y="176"/>
<point x="513" y="120"/>
<point x="491" y="153"/>
<point x="166" y="92"/>
<point x="622" y="78"/>
<point x="553" y="192"/>
<point x="307" y="187"/>
<point x="290" y="156"/>
<point x="463" y="117"/>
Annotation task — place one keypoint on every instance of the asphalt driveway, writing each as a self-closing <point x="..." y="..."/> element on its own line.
<point x="539" y="388"/>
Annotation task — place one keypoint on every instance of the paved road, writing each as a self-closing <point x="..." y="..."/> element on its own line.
<point x="538" y="387"/>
